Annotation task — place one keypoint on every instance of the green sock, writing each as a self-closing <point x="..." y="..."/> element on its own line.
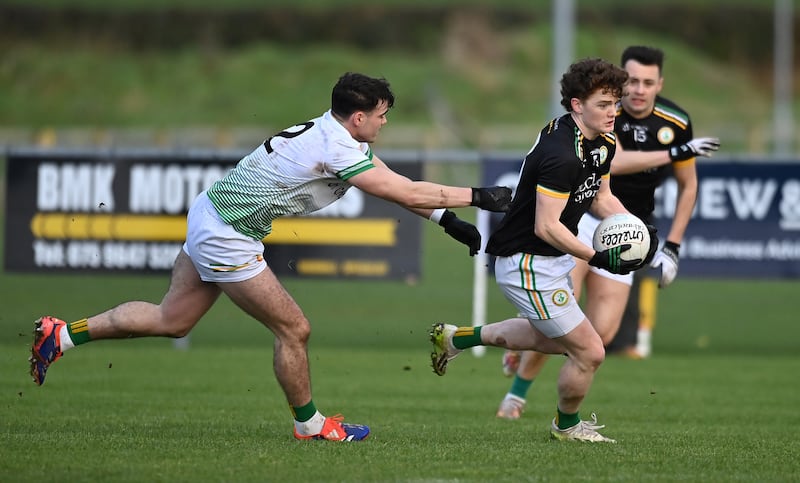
<point x="467" y="337"/>
<point x="78" y="332"/>
<point x="520" y="386"/>
<point x="304" y="413"/>
<point x="564" y="420"/>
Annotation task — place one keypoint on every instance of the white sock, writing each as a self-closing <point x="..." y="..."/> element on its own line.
<point x="66" y="340"/>
<point x="644" y="342"/>
<point x="312" y="426"/>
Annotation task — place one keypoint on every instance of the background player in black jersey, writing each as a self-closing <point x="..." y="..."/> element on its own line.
<point x="563" y="176"/>
<point x="650" y="123"/>
<point x="655" y="140"/>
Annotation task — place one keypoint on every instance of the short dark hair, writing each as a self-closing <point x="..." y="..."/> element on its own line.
<point x="588" y="75"/>
<point x="358" y="92"/>
<point x="643" y="55"/>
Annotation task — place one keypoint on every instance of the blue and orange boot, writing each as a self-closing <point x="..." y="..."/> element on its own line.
<point x="335" y="430"/>
<point x="46" y="347"/>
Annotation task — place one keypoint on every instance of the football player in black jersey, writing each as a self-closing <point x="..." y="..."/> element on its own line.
<point x="654" y="141"/>
<point x="651" y="123"/>
<point x="564" y="175"/>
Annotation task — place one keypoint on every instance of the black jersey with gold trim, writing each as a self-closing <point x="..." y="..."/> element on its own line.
<point x="561" y="163"/>
<point x="668" y="125"/>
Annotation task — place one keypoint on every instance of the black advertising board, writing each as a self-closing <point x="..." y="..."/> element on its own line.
<point x="113" y="211"/>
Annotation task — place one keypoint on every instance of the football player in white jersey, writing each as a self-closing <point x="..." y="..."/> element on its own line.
<point x="296" y="171"/>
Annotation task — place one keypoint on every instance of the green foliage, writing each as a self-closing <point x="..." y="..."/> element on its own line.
<point x="492" y="92"/>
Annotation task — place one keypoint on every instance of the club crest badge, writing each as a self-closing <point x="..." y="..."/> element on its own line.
<point x="560" y="297"/>
<point x="665" y="135"/>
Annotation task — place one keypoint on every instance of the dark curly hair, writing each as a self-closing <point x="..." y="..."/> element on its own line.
<point x="358" y="92"/>
<point x="588" y="75"/>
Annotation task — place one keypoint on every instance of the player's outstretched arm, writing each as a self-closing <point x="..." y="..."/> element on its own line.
<point x="391" y="186"/>
<point x="629" y="162"/>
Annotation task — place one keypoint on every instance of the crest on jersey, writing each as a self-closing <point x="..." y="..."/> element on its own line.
<point x="560" y="297"/>
<point x="665" y="135"/>
<point x="599" y="156"/>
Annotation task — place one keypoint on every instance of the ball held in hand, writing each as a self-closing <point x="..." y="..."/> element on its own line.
<point x="623" y="229"/>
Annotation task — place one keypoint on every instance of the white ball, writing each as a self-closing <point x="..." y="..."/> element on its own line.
<point x="623" y="229"/>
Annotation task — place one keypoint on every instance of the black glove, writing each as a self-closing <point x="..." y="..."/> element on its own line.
<point x="653" y="245"/>
<point x="462" y="231"/>
<point x="494" y="198"/>
<point x="610" y="260"/>
<point x="696" y="147"/>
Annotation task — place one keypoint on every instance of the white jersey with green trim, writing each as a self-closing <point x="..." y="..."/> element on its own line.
<point x="297" y="171"/>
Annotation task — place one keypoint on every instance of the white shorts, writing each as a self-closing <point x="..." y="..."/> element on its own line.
<point x="218" y="252"/>
<point x="541" y="290"/>
<point x="586" y="228"/>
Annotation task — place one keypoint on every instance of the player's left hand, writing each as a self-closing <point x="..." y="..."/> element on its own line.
<point x="462" y="231"/>
<point x="667" y="260"/>
<point x="493" y="198"/>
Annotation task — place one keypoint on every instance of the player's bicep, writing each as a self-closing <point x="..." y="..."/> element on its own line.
<point x="550" y="203"/>
<point x="380" y="181"/>
<point x="378" y="162"/>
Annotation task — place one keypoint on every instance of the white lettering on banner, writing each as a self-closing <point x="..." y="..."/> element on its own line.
<point x="82" y="187"/>
<point x="744" y="199"/>
<point x="711" y="200"/>
<point x="743" y="250"/>
<point x="351" y="205"/>
<point x="790" y="205"/>
<point x="90" y="254"/>
<point x="83" y="254"/>
<point x="48" y="254"/>
<point x="169" y="189"/>
<point x="124" y="255"/>
<point x="783" y="250"/>
<point x="751" y="198"/>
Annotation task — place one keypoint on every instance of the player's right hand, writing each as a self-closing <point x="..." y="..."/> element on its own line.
<point x="610" y="260"/>
<point x="493" y="198"/>
<point x="696" y="147"/>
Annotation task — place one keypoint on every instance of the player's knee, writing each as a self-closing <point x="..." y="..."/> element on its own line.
<point x="591" y="358"/>
<point x="297" y="330"/>
<point x="303" y="330"/>
<point x="178" y="329"/>
<point x="596" y="356"/>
